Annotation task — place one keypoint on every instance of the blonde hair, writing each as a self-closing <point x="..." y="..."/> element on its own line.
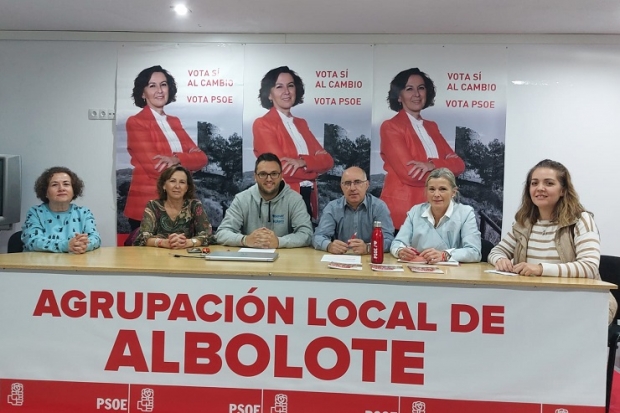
<point x="447" y="175"/>
<point x="442" y="173"/>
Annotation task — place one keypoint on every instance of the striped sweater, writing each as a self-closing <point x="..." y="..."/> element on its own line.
<point x="576" y="254"/>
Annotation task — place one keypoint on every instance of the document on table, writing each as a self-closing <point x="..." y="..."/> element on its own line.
<point x="341" y="266"/>
<point x="429" y="269"/>
<point x="342" y="259"/>
<point x="263" y="250"/>
<point x="512" y="274"/>
<point x="386" y="267"/>
<point x="448" y="263"/>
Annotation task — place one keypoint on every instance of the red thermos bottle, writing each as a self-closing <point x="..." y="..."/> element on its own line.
<point x="376" y="244"/>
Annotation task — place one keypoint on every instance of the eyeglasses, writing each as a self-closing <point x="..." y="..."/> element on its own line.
<point x="357" y="182"/>
<point x="272" y="175"/>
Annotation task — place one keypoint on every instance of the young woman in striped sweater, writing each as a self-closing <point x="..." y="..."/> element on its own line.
<point x="553" y="234"/>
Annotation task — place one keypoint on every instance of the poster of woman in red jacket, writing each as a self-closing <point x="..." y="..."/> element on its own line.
<point x="411" y="146"/>
<point x="155" y="140"/>
<point x="289" y="137"/>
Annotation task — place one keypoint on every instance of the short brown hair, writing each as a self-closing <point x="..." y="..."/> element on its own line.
<point x="142" y="81"/>
<point x="400" y="82"/>
<point x="166" y="174"/>
<point x="269" y="81"/>
<point x="43" y="182"/>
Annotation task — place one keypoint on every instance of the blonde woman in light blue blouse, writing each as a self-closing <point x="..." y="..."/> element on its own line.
<point x="440" y="229"/>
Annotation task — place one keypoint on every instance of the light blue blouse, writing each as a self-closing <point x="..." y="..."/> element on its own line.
<point x="457" y="232"/>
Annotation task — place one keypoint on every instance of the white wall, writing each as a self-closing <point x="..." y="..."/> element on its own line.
<point x="565" y="111"/>
<point x="46" y="89"/>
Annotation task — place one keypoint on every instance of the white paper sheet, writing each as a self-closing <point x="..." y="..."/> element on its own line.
<point x="263" y="250"/>
<point x="512" y="274"/>
<point x="344" y="259"/>
<point x="448" y="263"/>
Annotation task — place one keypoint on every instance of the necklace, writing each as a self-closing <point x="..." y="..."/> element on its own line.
<point x="546" y="226"/>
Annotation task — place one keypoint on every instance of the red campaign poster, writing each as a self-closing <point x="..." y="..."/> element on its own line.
<point x="36" y="396"/>
<point x="175" y="399"/>
<point x="423" y="405"/>
<point x="276" y="401"/>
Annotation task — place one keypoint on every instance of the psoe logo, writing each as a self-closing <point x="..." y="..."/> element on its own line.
<point x="147" y="400"/>
<point x="561" y="410"/>
<point x="16" y="398"/>
<point x="418" y="407"/>
<point x="280" y="404"/>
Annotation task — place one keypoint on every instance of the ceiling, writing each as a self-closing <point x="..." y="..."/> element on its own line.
<point x="317" y="16"/>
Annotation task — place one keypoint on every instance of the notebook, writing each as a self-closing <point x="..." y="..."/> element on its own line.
<point x="241" y="256"/>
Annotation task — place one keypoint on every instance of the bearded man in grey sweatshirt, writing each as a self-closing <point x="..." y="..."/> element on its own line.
<point x="269" y="214"/>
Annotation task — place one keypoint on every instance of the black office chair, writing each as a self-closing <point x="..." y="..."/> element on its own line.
<point x="15" y="243"/>
<point x="487" y="246"/>
<point x="609" y="269"/>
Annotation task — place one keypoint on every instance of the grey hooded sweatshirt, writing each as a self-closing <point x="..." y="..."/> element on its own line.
<point x="286" y="215"/>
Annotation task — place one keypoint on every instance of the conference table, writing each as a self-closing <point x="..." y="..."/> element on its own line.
<point x="139" y="329"/>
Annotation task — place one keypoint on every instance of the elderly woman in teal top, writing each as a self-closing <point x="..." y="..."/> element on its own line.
<point x="57" y="225"/>
<point x="440" y="229"/>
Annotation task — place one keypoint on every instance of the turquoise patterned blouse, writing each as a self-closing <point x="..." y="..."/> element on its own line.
<point x="46" y="230"/>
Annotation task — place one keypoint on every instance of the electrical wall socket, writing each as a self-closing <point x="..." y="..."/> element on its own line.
<point x="101" y="114"/>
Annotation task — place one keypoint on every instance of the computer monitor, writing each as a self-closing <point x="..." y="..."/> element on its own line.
<point x="10" y="190"/>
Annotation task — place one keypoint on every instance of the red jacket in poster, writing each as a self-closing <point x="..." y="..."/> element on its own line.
<point x="271" y="135"/>
<point x="145" y="140"/>
<point x="399" y="145"/>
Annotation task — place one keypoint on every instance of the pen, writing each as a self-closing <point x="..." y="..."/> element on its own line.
<point x="354" y="236"/>
<point x="188" y="256"/>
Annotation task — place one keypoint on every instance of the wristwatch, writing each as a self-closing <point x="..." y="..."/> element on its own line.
<point x="194" y="242"/>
